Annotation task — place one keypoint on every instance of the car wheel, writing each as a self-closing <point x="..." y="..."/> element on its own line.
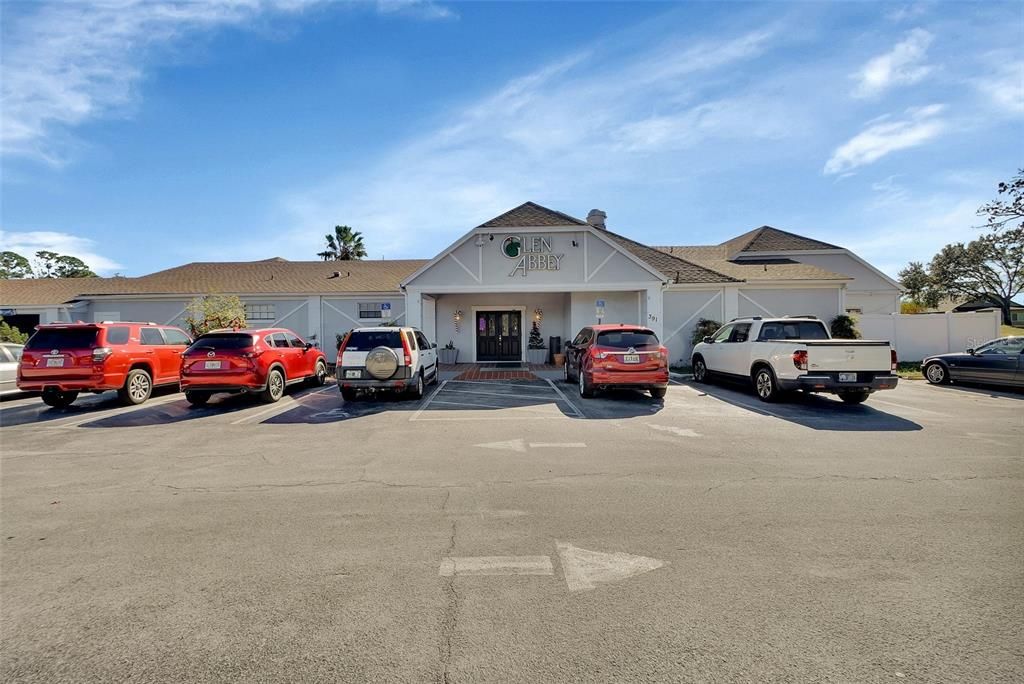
<point x="586" y="389"/>
<point x="275" y="387"/>
<point x="59" y="399"/>
<point x="319" y="375"/>
<point x="854" y="397"/>
<point x="565" y="372"/>
<point x="936" y="374"/>
<point x="136" y="389"/>
<point x="765" y="387"/>
<point x="700" y="370"/>
<point x="658" y="392"/>
<point x="197" y="398"/>
<point x="417" y="389"/>
<point x="348" y="394"/>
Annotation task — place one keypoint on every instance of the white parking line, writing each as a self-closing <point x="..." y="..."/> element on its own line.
<point x="286" y="404"/>
<point x="489" y="406"/>
<point x="908" y="408"/>
<point x="501" y="394"/>
<point x="579" y="414"/>
<point x="425" y="404"/>
<point x="479" y="382"/>
<point x="75" y="421"/>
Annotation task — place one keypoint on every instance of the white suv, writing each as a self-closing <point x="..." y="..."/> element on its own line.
<point x="392" y="359"/>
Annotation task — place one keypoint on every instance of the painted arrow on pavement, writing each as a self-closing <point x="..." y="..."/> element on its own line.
<point x="583" y="569"/>
<point x="521" y="445"/>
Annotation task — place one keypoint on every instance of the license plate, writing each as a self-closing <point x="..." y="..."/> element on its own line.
<point x="630" y="358"/>
<point x="212" y="365"/>
<point x="847" y="377"/>
<point x="353" y="374"/>
<point x="54" y="363"/>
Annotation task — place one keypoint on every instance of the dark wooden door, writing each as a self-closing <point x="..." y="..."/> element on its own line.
<point x="499" y="336"/>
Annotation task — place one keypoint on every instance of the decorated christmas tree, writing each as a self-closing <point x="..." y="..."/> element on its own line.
<point x="536" y="341"/>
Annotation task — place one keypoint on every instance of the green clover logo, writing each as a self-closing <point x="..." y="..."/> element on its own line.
<point x="511" y="246"/>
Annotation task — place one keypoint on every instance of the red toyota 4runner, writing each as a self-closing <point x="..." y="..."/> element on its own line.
<point x="261" y="361"/>
<point x="62" y="359"/>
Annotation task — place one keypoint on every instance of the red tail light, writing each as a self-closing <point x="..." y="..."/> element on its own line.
<point x="406" y="349"/>
<point x="343" y="344"/>
<point x="800" y="359"/>
<point x="895" y="361"/>
<point x="100" y="354"/>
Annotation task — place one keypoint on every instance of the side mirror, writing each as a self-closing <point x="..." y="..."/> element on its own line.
<point x="709" y="340"/>
<point x="308" y="346"/>
<point x="434" y="346"/>
<point x="970" y="350"/>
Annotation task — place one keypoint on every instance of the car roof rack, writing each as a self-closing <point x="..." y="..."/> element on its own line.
<point x="745" y="318"/>
<point x="809" y="316"/>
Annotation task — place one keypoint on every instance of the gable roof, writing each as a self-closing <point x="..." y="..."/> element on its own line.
<point x="531" y="214"/>
<point x="769" y="239"/>
<point x="50" y="291"/>
<point x="986" y="302"/>
<point x="716" y="257"/>
<point x="676" y="269"/>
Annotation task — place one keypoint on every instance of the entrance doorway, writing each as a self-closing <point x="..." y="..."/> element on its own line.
<point x="499" y="336"/>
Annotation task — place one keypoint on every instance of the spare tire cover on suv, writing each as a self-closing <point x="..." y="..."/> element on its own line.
<point x="381" y="363"/>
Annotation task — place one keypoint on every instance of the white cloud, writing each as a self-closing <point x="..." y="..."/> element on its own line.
<point x="886" y="135"/>
<point x="903" y="65"/>
<point x="68" y="63"/>
<point x="580" y="126"/>
<point x="30" y="242"/>
<point x="1004" y="86"/>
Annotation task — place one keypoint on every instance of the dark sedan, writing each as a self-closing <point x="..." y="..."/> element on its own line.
<point x="999" y="362"/>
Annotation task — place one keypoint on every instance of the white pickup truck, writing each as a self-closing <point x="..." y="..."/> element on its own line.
<point x="778" y="355"/>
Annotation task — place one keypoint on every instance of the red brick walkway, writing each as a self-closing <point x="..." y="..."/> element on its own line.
<point x="473" y="371"/>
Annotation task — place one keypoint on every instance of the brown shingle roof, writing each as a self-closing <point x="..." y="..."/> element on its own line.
<point x="50" y="291"/>
<point x="768" y="239"/>
<point x="676" y="269"/>
<point x="716" y="257"/>
<point x="531" y="214"/>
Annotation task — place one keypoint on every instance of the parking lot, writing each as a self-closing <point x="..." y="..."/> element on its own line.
<point x="512" y="531"/>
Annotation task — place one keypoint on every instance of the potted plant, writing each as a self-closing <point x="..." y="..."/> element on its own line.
<point x="536" y="352"/>
<point x="448" y="355"/>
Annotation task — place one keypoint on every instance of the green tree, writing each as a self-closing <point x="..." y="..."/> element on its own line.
<point x="844" y="327"/>
<point x="211" y="312"/>
<point x="991" y="267"/>
<point x="53" y="265"/>
<point x="918" y="285"/>
<point x="9" y="333"/>
<point x="706" y="327"/>
<point x="1008" y="212"/>
<point x="344" y="245"/>
<point x="13" y="265"/>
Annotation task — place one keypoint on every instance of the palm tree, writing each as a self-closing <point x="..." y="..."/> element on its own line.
<point x="345" y="245"/>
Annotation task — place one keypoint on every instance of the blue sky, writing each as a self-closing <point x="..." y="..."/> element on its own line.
<point x="140" y="136"/>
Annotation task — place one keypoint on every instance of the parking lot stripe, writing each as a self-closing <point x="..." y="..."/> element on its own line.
<point x="75" y="421"/>
<point x="280" y="407"/>
<point x="480" y="382"/>
<point x="426" y="403"/>
<point x="908" y="408"/>
<point x="467" y="405"/>
<point x="579" y="414"/>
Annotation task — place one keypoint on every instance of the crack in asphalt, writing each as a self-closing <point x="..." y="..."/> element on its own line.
<point x="451" y="609"/>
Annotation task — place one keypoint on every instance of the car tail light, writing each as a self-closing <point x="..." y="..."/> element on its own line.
<point x="800" y="359"/>
<point x="343" y="344"/>
<point x="100" y="354"/>
<point x="406" y="349"/>
<point x="893" y="359"/>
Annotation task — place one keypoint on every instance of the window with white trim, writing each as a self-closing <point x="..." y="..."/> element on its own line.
<point x="260" y="312"/>
<point x="370" y="310"/>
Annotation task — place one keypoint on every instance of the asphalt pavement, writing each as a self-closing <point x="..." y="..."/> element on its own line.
<point x="513" y="531"/>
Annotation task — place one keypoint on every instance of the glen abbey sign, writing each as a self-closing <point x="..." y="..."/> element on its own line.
<point x="532" y="253"/>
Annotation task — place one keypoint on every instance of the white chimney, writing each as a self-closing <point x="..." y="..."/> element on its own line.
<point x="596" y="218"/>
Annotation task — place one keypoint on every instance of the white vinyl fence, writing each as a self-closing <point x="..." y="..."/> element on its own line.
<point x="916" y="336"/>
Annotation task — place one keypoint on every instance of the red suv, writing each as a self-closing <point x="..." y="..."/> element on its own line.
<point x="262" y="361"/>
<point x="62" y="359"/>
<point x="617" y="357"/>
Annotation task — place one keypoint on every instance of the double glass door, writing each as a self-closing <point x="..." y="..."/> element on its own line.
<point x="499" y="336"/>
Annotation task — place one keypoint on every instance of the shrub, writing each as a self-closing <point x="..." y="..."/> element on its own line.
<point x="911" y="307"/>
<point x="705" y="328"/>
<point x="214" y="311"/>
<point x="9" y="333"/>
<point x="844" y="327"/>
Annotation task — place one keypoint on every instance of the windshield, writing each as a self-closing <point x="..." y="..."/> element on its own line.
<point x="365" y="340"/>
<point x="625" y="339"/>
<point x="795" y="330"/>
<point x="62" y="338"/>
<point x="222" y="341"/>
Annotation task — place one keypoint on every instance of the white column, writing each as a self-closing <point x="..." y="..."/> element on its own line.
<point x="655" y="305"/>
<point x="414" y="308"/>
<point x="731" y="303"/>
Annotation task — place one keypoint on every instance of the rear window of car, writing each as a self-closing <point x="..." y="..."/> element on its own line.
<point x="365" y="340"/>
<point x="226" y="341"/>
<point x="624" y="339"/>
<point x="62" y="338"/>
<point x="795" y="330"/>
<point x="118" y="334"/>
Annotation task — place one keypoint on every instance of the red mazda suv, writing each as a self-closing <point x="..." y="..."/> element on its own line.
<point x="62" y="359"/>
<point x="262" y="362"/>
<point x="617" y="356"/>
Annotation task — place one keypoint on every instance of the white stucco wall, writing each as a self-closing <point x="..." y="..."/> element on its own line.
<point x="821" y="302"/>
<point x="338" y="315"/>
<point x="873" y="302"/>
<point x="682" y="311"/>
